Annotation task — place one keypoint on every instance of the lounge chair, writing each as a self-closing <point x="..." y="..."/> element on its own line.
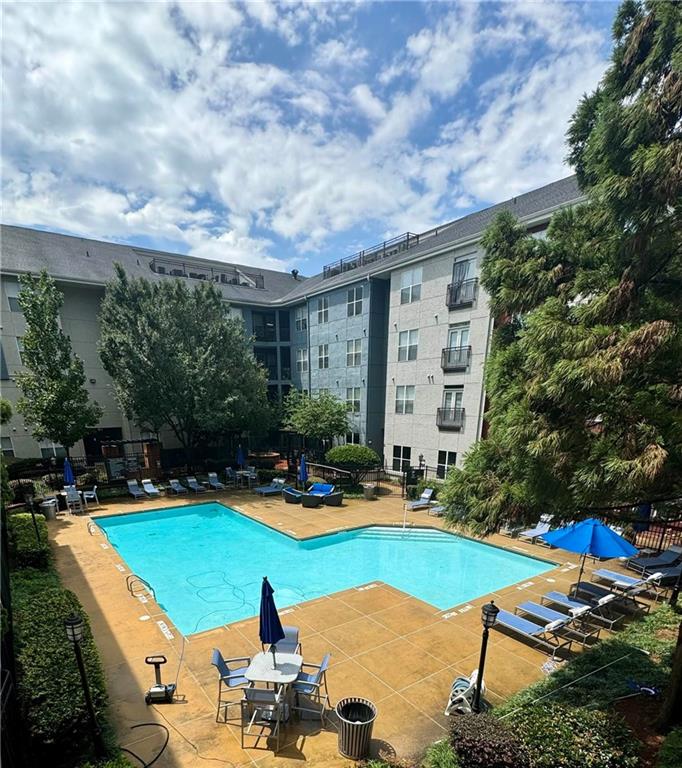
<point x="149" y="488"/>
<point x="462" y="694"/>
<point x="627" y="599"/>
<point x="177" y="487"/>
<point x="214" y="482"/>
<point x="194" y="486"/>
<point x="423" y="501"/>
<point x="321" y="489"/>
<point x="230" y="677"/>
<point x="622" y="582"/>
<point x="546" y="636"/>
<point x="669" y="575"/>
<point x="333" y="499"/>
<point x="134" y="490"/>
<point x="574" y="624"/>
<point x="311" y="500"/>
<point x="599" y="611"/>
<point x="291" y="495"/>
<point x="310" y="684"/>
<point x="89" y="496"/>
<point x="532" y="534"/>
<point x="437" y="510"/>
<point x="510" y="530"/>
<point x="666" y="559"/>
<point x="274" y="489"/>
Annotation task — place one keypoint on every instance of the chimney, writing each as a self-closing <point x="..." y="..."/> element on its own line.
<point x="294" y="274"/>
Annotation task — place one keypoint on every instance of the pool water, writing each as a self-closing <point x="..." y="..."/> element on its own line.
<point x="206" y="562"/>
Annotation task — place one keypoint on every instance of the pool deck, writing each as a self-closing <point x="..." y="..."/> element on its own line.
<point x="386" y="645"/>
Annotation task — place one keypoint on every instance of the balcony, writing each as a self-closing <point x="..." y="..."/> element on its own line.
<point x="455" y="359"/>
<point x="450" y="418"/>
<point x="462" y="294"/>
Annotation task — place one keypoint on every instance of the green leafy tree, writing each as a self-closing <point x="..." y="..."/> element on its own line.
<point x="5" y="489"/>
<point x="586" y="362"/>
<point x="356" y="459"/>
<point x="54" y="400"/>
<point x="320" y="417"/>
<point x="179" y="360"/>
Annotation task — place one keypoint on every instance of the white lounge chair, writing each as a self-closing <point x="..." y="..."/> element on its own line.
<point x="214" y="482"/>
<point x="149" y="488"/>
<point x="423" y="501"/>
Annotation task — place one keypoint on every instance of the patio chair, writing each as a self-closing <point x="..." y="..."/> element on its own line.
<point x="321" y="489"/>
<point x="546" y="636"/>
<point x="149" y="488"/>
<point x="311" y="501"/>
<point x="510" y="530"/>
<point x="666" y="559"/>
<point x="134" y="489"/>
<point x="231" y="478"/>
<point x="74" y="502"/>
<point x="194" y="486"/>
<point x="310" y="684"/>
<point x="291" y="495"/>
<point x="214" y="483"/>
<point x="599" y="611"/>
<point x="229" y="678"/>
<point x="274" y="489"/>
<point x="176" y="486"/>
<point x="462" y="694"/>
<point x="333" y="499"/>
<point x="669" y="575"/>
<point x="437" y="510"/>
<point x="264" y="707"/>
<point x="573" y="623"/>
<point x="89" y="496"/>
<point x="290" y="643"/>
<point x="423" y="501"/>
<point x="252" y="477"/>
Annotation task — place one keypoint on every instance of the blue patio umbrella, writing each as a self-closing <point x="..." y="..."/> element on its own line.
<point x="590" y="537"/>
<point x="270" y="627"/>
<point x="69" y="478"/>
<point x="240" y="456"/>
<point x="303" y="471"/>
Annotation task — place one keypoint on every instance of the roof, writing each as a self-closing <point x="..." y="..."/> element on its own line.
<point x="78" y="259"/>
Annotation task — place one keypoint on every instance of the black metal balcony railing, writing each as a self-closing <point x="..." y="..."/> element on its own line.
<point x="370" y="255"/>
<point x="462" y="294"/>
<point x="450" y="418"/>
<point x="455" y="358"/>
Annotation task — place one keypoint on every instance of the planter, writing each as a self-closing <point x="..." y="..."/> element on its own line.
<point x="356" y="720"/>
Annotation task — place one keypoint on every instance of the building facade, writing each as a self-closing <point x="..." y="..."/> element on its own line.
<point x="400" y="332"/>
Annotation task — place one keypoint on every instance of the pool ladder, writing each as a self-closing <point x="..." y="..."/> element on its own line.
<point x="133" y="580"/>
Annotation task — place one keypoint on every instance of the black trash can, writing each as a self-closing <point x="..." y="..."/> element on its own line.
<point x="356" y="720"/>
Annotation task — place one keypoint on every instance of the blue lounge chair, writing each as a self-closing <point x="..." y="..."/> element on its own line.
<point x="149" y="488"/>
<point x="574" y="623"/>
<point x="194" y="486"/>
<point x="666" y="559"/>
<point x="598" y="611"/>
<point x="134" y="489"/>
<point x="310" y="684"/>
<point x="545" y="636"/>
<point x="214" y="482"/>
<point x="320" y="489"/>
<point x="621" y="582"/>
<point x="534" y="533"/>
<point x="423" y="501"/>
<point x="275" y="488"/>
<point x="626" y="599"/>
<point x="669" y="575"/>
<point x="177" y="487"/>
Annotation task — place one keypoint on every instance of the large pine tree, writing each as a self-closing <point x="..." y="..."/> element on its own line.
<point x="585" y="375"/>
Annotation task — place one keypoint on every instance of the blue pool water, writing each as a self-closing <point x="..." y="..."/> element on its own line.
<point x="205" y="563"/>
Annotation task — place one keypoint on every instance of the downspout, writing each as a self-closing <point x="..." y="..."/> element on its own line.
<point x="481" y="403"/>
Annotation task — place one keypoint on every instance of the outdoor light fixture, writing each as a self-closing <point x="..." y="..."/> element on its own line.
<point x="488" y="618"/>
<point x="74" y="628"/>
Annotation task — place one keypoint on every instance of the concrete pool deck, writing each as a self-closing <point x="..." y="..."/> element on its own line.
<point x="386" y="645"/>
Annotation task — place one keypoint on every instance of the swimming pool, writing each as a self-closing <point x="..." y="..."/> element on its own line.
<point x="206" y="561"/>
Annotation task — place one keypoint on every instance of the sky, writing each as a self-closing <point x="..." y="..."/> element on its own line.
<point x="285" y="135"/>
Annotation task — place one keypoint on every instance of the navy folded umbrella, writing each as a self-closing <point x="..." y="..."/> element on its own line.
<point x="303" y="471"/>
<point x="240" y="456"/>
<point x="69" y="478"/>
<point x="270" y="628"/>
<point x="590" y="537"/>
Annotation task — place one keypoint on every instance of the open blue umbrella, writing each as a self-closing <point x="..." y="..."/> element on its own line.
<point x="590" y="537"/>
<point x="270" y="627"/>
<point x="69" y="478"/>
<point x="303" y="471"/>
<point x="240" y="456"/>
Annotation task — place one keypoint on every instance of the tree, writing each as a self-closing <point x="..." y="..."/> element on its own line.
<point x="54" y="401"/>
<point x="320" y="417"/>
<point x="5" y="489"/>
<point x="179" y="360"/>
<point x="356" y="459"/>
<point x="586" y="362"/>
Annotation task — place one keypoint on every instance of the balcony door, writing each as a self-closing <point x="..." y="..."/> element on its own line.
<point x="459" y="337"/>
<point x="462" y="270"/>
<point x="452" y="399"/>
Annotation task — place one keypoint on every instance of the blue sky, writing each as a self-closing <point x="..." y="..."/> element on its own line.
<point x="285" y="135"/>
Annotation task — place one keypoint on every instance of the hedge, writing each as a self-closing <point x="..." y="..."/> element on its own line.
<point x="48" y="685"/>
<point x="670" y="755"/>
<point x="482" y="741"/>
<point x="25" y="548"/>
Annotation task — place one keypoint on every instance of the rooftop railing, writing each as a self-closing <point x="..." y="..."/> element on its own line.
<point x="223" y="275"/>
<point x="370" y="255"/>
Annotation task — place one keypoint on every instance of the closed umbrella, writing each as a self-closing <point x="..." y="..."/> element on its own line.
<point x="240" y="456"/>
<point x="590" y="537"/>
<point x="303" y="471"/>
<point x="69" y="478"/>
<point x="270" y="627"/>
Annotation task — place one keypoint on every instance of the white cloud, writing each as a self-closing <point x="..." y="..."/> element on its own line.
<point x="371" y="106"/>
<point x="340" y="54"/>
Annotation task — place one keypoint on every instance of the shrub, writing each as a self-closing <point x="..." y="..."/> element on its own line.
<point x="482" y="741"/>
<point x="18" y="467"/>
<point x="27" y="550"/>
<point x="120" y="761"/>
<point x="112" y="492"/>
<point x="266" y="475"/>
<point x="441" y="755"/>
<point x="356" y="459"/>
<point x="48" y="685"/>
<point x="670" y="755"/>
<point x="560" y="736"/>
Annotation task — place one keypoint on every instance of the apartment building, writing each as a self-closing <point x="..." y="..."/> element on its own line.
<point x="399" y="331"/>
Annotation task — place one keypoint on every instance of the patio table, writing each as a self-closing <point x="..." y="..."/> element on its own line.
<point x="282" y="674"/>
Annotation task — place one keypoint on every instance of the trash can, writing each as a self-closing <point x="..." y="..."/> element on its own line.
<point x="369" y="491"/>
<point x="49" y="509"/>
<point x="356" y="720"/>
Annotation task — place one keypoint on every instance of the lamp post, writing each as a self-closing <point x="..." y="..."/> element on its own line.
<point x="74" y="632"/>
<point x="28" y="498"/>
<point x="488" y="618"/>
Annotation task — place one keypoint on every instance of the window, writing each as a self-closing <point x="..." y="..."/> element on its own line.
<point x="267" y="357"/>
<point x="446" y="459"/>
<point x="7" y="447"/>
<point x="323" y="310"/>
<point x="452" y="398"/>
<point x="462" y="270"/>
<point x="50" y="450"/>
<point x="402" y="455"/>
<point x="284" y="329"/>
<point x="301" y="319"/>
<point x="301" y="360"/>
<point x="20" y="349"/>
<point x="411" y="285"/>
<point x="264" y="328"/>
<point x="353" y="353"/>
<point x="285" y="362"/>
<point x="407" y="345"/>
<point x="353" y="438"/>
<point x="353" y="399"/>
<point x="458" y="336"/>
<point x="12" y="290"/>
<point x="404" y="399"/>
<point x="355" y="301"/>
<point x="323" y="356"/>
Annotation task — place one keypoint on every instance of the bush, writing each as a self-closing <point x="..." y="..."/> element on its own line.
<point x="18" y="467"/>
<point x="266" y="475"/>
<point x="441" y="755"/>
<point x="356" y="459"/>
<point x="415" y="491"/>
<point x="561" y="736"/>
<point x="26" y="550"/>
<point x="48" y="685"/>
<point x="120" y="761"/>
<point x="670" y="755"/>
<point x="482" y="741"/>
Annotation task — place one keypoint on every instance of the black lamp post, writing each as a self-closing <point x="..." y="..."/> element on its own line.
<point x="74" y="632"/>
<point x="488" y="618"/>
<point x="28" y="498"/>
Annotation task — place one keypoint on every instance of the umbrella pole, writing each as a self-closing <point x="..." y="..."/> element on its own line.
<point x="273" y="648"/>
<point x="580" y="573"/>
